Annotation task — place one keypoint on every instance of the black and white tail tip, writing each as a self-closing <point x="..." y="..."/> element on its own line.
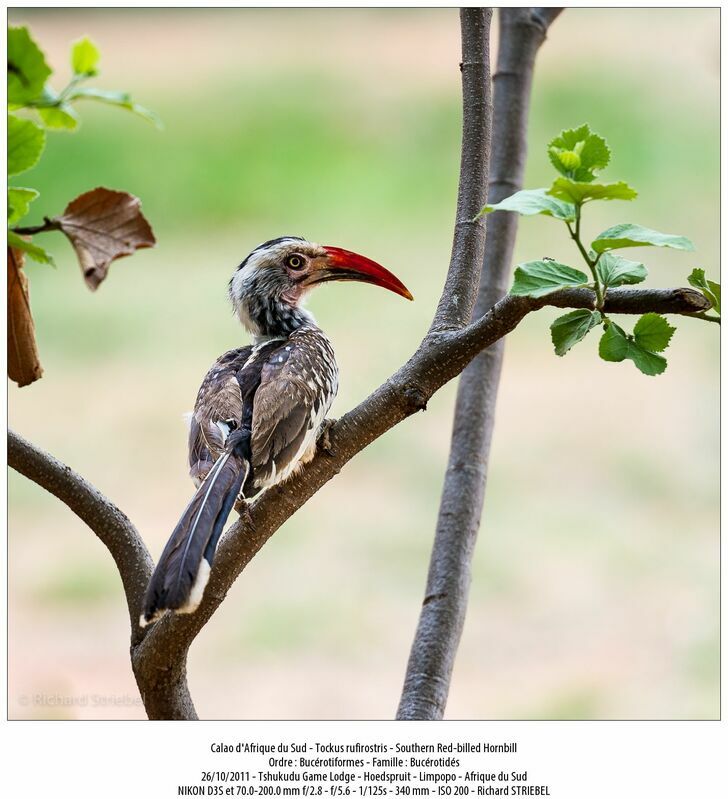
<point x="179" y="581"/>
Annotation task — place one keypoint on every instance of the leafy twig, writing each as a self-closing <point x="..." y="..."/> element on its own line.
<point x="578" y="154"/>
<point x="48" y="225"/>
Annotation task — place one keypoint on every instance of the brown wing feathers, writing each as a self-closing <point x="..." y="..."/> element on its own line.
<point x="296" y="388"/>
<point x="218" y="400"/>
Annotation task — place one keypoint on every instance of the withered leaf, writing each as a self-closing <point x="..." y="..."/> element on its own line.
<point x="103" y="225"/>
<point x="23" y="363"/>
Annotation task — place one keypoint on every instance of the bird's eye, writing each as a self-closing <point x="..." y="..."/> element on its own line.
<point x="295" y="262"/>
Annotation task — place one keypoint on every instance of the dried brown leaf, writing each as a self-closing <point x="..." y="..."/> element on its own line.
<point x="103" y="225"/>
<point x="23" y="363"/>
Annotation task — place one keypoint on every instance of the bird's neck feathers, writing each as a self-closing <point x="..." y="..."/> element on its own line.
<point x="267" y="305"/>
<point x="268" y="317"/>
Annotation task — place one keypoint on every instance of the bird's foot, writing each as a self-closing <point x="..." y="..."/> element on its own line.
<point x="242" y="506"/>
<point x="324" y="440"/>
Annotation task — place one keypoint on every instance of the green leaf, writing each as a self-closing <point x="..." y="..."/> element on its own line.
<point x="573" y="192"/>
<point x="19" y="201"/>
<point x="697" y="279"/>
<point x="119" y="99"/>
<point x="34" y="251"/>
<point x="649" y="363"/>
<point x="710" y="289"/>
<point x="653" y="332"/>
<point x="26" y="141"/>
<point x="534" y="201"/>
<point x="615" y="345"/>
<point x="715" y="288"/>
<point x="85" y="57"/>
<point x="538" y="278"/>
<point x="591" y="149"/>
<point x="61" y="117"/>
<point x="628" y="235"/>
<point x="613" y="270"/>
<point x="571" y="328"/>
<point x="27" y="68"/>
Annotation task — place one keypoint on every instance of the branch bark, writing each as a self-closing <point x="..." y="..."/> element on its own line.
<point x="432" y="656"/>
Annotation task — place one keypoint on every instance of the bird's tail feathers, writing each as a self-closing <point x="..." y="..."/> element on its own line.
<point x="179" y="580"/>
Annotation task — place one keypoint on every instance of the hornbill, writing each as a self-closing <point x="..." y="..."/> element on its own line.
<point x="260" y="408"/>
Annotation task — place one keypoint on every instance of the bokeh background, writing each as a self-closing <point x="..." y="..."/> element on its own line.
<point x="595" y="590"/>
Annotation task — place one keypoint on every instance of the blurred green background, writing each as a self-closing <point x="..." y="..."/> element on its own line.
<point x="595" y="590"/>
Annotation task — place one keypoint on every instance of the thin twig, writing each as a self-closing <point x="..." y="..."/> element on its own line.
<point x="704" y="317"/>
<point x="48" y="224"/>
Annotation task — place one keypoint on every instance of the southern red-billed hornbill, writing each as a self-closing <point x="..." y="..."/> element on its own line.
<point x="260" y="408"/>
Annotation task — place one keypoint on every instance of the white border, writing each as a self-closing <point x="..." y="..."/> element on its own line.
<point x="583" y="760"/>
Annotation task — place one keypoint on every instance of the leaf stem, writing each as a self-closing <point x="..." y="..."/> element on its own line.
<point x="66" y="94"/>
<point x="575" y="234"/>
<point x="704" y="316"/>
<point x="59" y="99"/>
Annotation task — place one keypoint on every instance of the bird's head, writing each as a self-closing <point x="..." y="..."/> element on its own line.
<point x="268" y="286"/>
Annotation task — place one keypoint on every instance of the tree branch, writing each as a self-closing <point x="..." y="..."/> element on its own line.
<point x="431" y="660"/>
<point x="509" y="312"/>
<point x="461" y="285"/>
<point x="545" y="16"/>
<point x="111" y="526"/>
